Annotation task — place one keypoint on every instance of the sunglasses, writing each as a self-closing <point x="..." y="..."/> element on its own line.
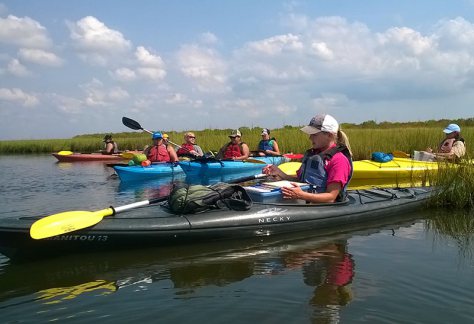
<point x="191" y="136"/>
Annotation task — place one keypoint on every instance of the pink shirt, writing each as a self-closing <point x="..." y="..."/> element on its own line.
<point x="338" y="169"/>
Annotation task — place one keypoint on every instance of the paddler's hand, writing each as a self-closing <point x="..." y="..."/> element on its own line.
<point x="273" y="170"/>
<point x="293" y="192"/>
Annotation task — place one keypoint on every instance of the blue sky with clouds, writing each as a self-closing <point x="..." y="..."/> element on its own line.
<point x="76" y="67"/>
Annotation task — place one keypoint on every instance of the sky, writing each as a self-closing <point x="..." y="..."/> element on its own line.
<point x="76" y="67"/>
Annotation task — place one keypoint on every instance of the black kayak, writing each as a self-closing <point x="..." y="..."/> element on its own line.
<point x="156" y="226"/>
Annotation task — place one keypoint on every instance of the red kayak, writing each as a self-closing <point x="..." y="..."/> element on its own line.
<point x="76" y="157"/>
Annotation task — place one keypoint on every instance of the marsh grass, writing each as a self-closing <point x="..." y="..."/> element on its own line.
<point x="455" y="186"/>
<point x="364" y="141"/>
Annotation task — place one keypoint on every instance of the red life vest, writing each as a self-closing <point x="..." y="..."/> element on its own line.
<point x="446" y="145"/>
<point x="185" y="149"/>
<point x="159" y="153"/>
<point x="233" y="150"/>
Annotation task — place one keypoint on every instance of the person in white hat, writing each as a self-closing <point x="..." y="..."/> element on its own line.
<point x="327" y="166"/>
<point x="452" y="147"/>
<point x="267" y="146"/>
<point x="235" y="149"/>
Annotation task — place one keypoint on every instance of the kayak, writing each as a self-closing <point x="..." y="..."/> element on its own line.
<point x="215" y="168"/>
<point x="67" y="156"/>
<point x="153" y="171"/>
<point x="399" y="170"/>
<point x="156" y="226"/>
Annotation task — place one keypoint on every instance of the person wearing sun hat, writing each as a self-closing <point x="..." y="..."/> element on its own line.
<point x="159" y="151"/>
<point x="110" y="147"/>
<point x="452" y="147"/>
<point x="267" y="146"/>
<point x="235" y="149"/>
<point x="326" y="167"/>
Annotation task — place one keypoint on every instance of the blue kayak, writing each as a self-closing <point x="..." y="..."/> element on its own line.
<point x="154" y="171"/>
<point x="215" y="168"/>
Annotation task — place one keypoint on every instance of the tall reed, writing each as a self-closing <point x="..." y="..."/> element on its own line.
<point x="455" y="186"/>
<point x="364" y="141"/>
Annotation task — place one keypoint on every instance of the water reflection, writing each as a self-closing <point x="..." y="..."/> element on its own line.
<point x="324" y="262"/>
<point x="457" y="226"/>
<point x="150" y="189"/>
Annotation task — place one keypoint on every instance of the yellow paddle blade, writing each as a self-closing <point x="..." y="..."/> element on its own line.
<point x="66" y="222"/>
<point x="290" y="168"/>
<point x="127" y="155"/>
<point x="65" y="152"/>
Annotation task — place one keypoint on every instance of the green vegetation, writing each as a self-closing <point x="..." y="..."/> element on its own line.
<point x="455" y="184"/>
<point x="365" y="139"/>
<point x="455" y="181"/>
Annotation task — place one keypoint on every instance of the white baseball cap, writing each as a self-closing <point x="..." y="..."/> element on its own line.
<point x="321" y="123"/>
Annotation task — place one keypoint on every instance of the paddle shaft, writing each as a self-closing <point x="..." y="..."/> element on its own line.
<point x="138" y="204"/>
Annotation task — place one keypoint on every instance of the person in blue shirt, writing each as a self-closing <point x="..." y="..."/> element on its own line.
<point x="267" y="146"/>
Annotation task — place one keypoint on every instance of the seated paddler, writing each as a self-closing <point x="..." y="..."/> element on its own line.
<point x="267" y="146"/>
<point x="235" y="149"/>
<point x="110" y="146"/>
<point x="326" y="166"/>
<point x="189" y="148"/>
<point x="159" y="151"/>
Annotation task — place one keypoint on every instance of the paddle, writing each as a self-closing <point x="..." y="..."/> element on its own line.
<point x="65" y="152"/>
<point x="133" y="124"/>
<point x="400" y="154"/>
<point x="71" y="221"/>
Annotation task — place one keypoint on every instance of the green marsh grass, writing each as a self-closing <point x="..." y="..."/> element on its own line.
<point x="455" y="185"/>
<point x="364" y="141"/>
<point x="455" y="182"/>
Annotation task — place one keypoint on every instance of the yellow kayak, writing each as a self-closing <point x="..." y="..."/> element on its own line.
<point x="399" y="171"/>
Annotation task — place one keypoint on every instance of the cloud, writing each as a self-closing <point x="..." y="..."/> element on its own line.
<point x="40" y="57"/>
<point x="204" y="67"/>
<point x="24" y="32"/>
<point x="16" y="95"/>
<point x="96" y="42"/>
<point x="124" y="74"/>
<point x="277" y="44"/>
<point x="98" y="95"/>
<point x="17" y="69"/>
<point x="208" y="38"/>
<point x="151" y="65"/>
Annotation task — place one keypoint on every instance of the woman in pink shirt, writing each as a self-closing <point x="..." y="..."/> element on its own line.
<point x="327" y="166"/>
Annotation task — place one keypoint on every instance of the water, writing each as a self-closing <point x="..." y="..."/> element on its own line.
<point x="417" y="268"/>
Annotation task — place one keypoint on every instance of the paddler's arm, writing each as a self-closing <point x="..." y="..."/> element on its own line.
<point x="172" y="153"/>
<point x="245" y="153"/>
<point x="273" y="170"/>
<point x="295" y="192"/>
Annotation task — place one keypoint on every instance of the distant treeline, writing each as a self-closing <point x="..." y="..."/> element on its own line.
<point x="365" y="138"/>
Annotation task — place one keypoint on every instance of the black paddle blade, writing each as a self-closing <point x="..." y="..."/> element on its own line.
<point x="130" y="123"/>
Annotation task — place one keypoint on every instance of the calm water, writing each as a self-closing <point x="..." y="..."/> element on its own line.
<point x="417" y="268"/>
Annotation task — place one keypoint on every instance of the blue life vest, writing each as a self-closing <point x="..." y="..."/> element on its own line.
<point x="314" y="173"/>
<point x="264" y="145"/>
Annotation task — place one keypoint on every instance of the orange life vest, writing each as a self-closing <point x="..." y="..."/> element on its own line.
<point x="233" y="150"/>
<point x="185" y="149"/>
<point x="446" y="145"/>
<point x="159" y="153"/>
